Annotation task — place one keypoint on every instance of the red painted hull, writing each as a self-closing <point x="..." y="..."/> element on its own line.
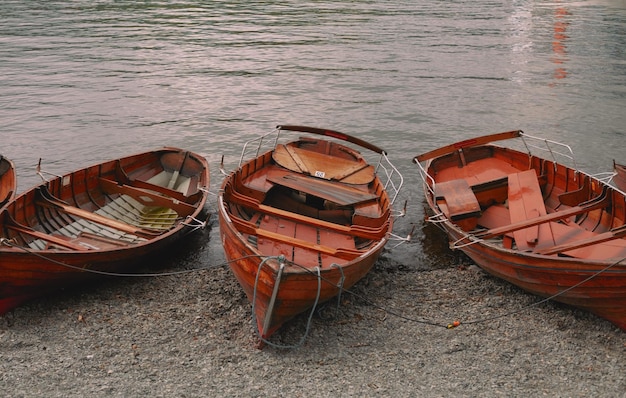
<point x="288" y="259"/>
<point x="8" y="181"/>
<point x="580" y="259"/>
<point x="57" y="234"/>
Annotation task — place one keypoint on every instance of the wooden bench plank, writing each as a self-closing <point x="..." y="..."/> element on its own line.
<point x="457" y="201"/>
<point x="590" y="240"/>
<point x="597" y="203"/>
<point x="355" y="230"/>
<point x="335" y="192"/>
<point x="496" y="216"/>
<point x="178" y="195"/>
<point x="459" y="197"/>
<point x="526" y="203"/>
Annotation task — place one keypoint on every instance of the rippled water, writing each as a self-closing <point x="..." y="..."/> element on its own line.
<point x="84" y="81"/>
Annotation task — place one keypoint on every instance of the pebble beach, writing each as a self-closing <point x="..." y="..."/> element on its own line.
<point x="188" y="333"/>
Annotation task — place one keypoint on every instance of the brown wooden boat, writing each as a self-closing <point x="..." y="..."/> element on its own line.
<point x="103" y="218"/>
<point x="545" y="227"/>
<point x="8" y="181"/>
<point x="304" y="220"/>
<point x="619" y="178"/>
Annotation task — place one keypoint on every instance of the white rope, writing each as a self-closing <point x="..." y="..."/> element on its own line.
<point x="282" y="259"/>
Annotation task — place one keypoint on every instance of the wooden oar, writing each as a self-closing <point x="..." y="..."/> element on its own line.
<point x="46" y="199"/>
<point x="333" y="134"/>
<point x="601" y="201"/>
<point x="248" y="228"/>
<point x="466" y="144"/>
<point x="55" y="240"/>
<point x="354" y="230"/>
<point x="615" y="233"/>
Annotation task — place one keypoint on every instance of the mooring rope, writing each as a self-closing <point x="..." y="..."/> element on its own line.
<point x="316" y="272"/>
<point x="590" y="277"/>
<point x="199" y="223"/>
<point x="8" y="243"/>
<point x="281" y="259"/>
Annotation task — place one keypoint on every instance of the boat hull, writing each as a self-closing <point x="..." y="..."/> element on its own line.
<point x="600" y="292"/>
<point x="301" y="222"/>
<point x="567" y="240"/>
<point x="8" y="181"/>
<point x="64" y="232"/>
<point x="297" y="289"/>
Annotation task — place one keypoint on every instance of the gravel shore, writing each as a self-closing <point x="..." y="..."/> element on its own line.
<point x="190" y="335"/>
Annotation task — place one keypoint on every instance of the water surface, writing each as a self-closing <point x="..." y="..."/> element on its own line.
<point x="86" y="81"/>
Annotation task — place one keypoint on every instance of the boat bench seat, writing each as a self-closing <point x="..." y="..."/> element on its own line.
<point x="526" y="202"/>
<point x="338" y="193"/>
<point x="458" y="202"/>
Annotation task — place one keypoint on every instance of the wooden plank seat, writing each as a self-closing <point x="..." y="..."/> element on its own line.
<point x="457" y="201"/>
<point x="180" y="193"/>
<point x="169" y="183"/>
<point x="356" y="230"/>
<point x="497" y="216"/>
<point x="578" y="242"/>
<point x="526" y="202"/>
<point x="490" y="192"/>
<point x="596" y="203"/>
<point x="338" y="193"/>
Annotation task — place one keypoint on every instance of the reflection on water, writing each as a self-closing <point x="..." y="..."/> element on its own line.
<point x="558" y="44"/>
<point x="86" y="81"/>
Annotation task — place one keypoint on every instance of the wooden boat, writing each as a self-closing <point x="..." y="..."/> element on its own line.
<point x="8" y="181"/>
<point x="103" y="218"/>
<point x="543" y="226"/>
<point x="619" y="178"/>
<point x="304" y="220"/>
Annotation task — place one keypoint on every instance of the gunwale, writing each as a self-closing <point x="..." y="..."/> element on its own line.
<point x="72" y="228"/>
<point x="575" y="250"/>
<point x="288" y="254"/>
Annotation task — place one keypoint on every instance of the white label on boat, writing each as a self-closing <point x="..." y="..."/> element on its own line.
<point x="320" y="174"/>
<point x="67" y="180"/>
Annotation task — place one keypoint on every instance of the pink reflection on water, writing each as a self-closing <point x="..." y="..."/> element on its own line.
<point x="558" y="43"/>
